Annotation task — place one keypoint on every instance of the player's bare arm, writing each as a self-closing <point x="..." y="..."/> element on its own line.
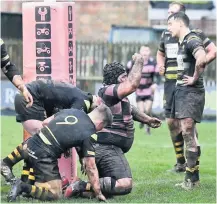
<point x="93" y="176"/>
<point x="132" y="82"/>
<point x="161" y="62"/>
<point x="211" y="52"/>
<point x="143" y="118"/>
<point x="12" y="73"/>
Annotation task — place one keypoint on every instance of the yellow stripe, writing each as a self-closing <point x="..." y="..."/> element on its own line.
<point x="33" y="190"/>
<point x="5" y="58"/>
<point x="25" y="172"/>
<point x="91" y="153"/>
<point x="94" y="136"/>
<point x="179" y="155"/>
<point x="17" y="153"/>
<point x="197" y="167"/>
<point x="87" y="103"/>
<point x="193" y="38"/>
<point x="31" y="170"/>
<point x="21" y="146"/>
<point x="190" y="169"/>
<point x="178" y="149"/>
<point x="171" y="69"/>
<point x="31" y="177"/>
<point x="52" y="135"/>
<point x="178" y="143"/>
<point x="39" y="192"/>
<point x="11" y="157"/>
<point x="205" y="41"/>
<point x="44" y="139"/>
<point x="171" y="76"/>
<point x="1" y="42"/>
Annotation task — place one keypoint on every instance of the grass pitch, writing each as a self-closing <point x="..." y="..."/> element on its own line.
<point x="149" y="159"/>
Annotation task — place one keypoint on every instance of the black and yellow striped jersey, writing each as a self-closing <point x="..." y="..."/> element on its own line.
<point x="7" y="67"/>
<point x="186" y="60"/>
<point x="70" y="128"/>
<point x="169" y="46"/>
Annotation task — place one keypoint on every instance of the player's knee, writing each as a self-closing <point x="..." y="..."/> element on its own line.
<point x="125" y="183"/>
<point x="174" y="126"/>
<point x="111" y="186"/>
<point x="187" y="126"/>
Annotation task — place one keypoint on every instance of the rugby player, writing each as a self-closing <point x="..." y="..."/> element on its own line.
<point x="148" y="84"/>
<point x="189" y="96"/>
<point x="43" y="149"/>
<point x="12" y="73"/>
<point x="114" y="170"/>
<point x="49" y="97"/>
<point x="166" y="60"/>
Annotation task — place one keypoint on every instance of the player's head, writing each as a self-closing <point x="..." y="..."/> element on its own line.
<point x="145" y="52"/>
<point x="176" y="7"/>
<point x="101" y="116"/>
<point x="176" y="22"/>
<point x="114" y="73"/>
<point x="96" y="101"/>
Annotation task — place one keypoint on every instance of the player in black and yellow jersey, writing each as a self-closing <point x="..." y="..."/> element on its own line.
<point x="189" y="96"/>
<point x="42" y="150"/>
<point x="12" y="73"/>
<point x="49" y="97"/>
<point x="167" y="63"/>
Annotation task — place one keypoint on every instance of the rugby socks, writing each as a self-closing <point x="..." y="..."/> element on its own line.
<point x="191" y="166"/>
<point x="14" y="157"/>
<point x="178" y="143"/>
<point x="198" y="163"/>
<point x="84" y="186"/>
<point x="25" y="172"/>
<point x="40" y="193"/>
<point x="31" y="177"/>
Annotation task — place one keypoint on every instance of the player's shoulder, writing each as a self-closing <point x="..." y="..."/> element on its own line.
<point x="192" y="36"/>
<point x="196" y="31"/>
<point x="106" y="88"/>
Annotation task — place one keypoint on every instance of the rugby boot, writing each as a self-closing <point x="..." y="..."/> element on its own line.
<point x="15" y="191"/>
<point x="7" y="173"/>
<point x="191" y="181"/>
<point x="73" y="190"/>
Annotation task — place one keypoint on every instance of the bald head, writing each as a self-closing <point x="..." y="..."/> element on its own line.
<point x="101" y="116"/>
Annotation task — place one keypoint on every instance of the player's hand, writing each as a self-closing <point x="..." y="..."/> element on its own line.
<point x="137" y="57"/>
<point x="27" y="96"/>
<point x="101" y="197"/>
<point x="161" y="70"/>
<point x="154" y="122"/>
<point x="188" y="80"/>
